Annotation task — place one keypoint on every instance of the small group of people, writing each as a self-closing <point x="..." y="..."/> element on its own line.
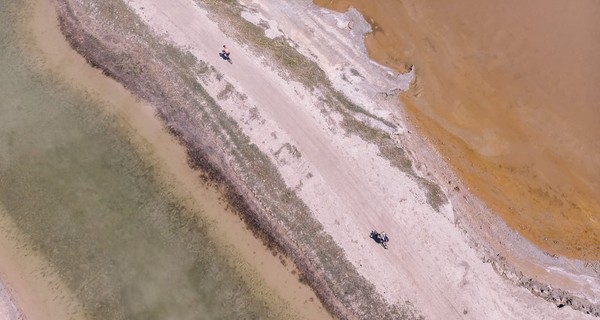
<point x="380" y="237"/>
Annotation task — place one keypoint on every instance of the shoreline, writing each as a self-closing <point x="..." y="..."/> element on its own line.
<point x="200" y="156"/>
<point x="495" y="112"/>
<point x="251" y="259"/>
<point x="33" y="290"/>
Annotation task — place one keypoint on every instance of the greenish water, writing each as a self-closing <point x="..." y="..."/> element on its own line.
<point x="89" y="203"/>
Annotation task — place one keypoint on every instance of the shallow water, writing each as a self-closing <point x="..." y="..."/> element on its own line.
<point x="86" y="201"/>
<point x="507" y="92"/>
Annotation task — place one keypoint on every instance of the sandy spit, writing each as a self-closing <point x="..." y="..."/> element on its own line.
<point x="438" y="261"/>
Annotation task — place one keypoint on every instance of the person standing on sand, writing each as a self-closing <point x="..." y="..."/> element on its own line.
<point x="226" y="52"/>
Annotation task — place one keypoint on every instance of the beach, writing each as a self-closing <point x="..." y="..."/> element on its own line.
<point x="308" y="142"/>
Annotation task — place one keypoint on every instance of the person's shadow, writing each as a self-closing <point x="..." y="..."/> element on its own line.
<point x="225" y="57"/>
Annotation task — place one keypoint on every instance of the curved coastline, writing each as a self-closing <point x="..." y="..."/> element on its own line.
<point x="564" y="281"/>
<point x="547" y="270"/>
<point x="506" y="97"/>
<point x="214" y="161"/>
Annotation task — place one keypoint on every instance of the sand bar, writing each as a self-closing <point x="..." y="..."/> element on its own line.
<point x="345" y="181"/>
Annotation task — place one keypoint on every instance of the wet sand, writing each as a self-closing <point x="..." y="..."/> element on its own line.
<point x="506" y="91"/>
<point x="270" y="275"/>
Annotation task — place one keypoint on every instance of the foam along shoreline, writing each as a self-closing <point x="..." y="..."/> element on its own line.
<point x="314" y="155"/>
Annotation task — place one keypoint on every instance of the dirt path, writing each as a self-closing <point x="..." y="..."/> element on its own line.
<point x="351" y="189"/>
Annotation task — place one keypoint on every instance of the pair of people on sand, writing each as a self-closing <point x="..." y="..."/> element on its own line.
<point x="225" y="52"/>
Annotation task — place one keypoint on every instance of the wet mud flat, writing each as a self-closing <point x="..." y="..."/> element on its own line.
<point x="76" y="191"/>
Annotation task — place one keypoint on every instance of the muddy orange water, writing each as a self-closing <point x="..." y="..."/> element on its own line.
<point x="508" y="92"/>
